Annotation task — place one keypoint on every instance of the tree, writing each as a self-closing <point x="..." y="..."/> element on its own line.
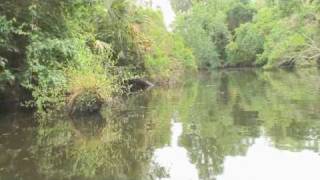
<point x="239" y="14"/>
<point x="181" y="5"/>
<point x="247" y="45"/>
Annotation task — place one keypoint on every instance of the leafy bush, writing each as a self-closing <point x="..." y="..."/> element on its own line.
<point x="247" y="45"/>
<point x="197" y="29"/>
<point x="7" y="30"/>
<point x="166" y="55"/>
<point x="282" y="45"/>
<point x="184" y="54"/>
<point x="157" y="65"/>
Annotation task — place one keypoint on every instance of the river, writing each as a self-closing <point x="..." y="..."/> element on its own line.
<point x="226" y="125"/>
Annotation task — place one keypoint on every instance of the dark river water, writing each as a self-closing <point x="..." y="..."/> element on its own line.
<point x="228" y="125"/>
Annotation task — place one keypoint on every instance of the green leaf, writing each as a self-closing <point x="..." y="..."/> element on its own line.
<point x="3" y="62"/>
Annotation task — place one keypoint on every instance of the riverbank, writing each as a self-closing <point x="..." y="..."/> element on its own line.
<point x="60" y="53"/>
<point x="250" y="33"/>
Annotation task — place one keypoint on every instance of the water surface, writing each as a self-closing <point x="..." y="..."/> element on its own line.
<point x="227" y="125"/>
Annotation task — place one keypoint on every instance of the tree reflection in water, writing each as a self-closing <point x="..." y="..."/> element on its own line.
<point x="218" y="118"/>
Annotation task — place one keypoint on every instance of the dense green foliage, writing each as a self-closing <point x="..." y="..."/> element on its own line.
<point x="62" y="49"/>
<point x="268" y="33"/>
<point x="58" y="51"/>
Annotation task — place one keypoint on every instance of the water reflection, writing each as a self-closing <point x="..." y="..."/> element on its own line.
<point x="264" y="163"/>
<point x="226" y="125"/>
<point x="174" y="158"/>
